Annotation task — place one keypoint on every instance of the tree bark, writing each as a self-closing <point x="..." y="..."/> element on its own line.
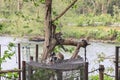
<point x="76" y="51"/>
<point x="78" y="45"/>
<point x="48" y="28"/>
<point x="52" y="38"/>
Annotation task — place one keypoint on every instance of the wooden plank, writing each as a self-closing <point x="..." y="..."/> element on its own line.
<point x="7" y="71"/>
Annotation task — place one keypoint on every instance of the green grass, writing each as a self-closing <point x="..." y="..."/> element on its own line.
<point x="97" y="33"/>
<point x="19" y="27"/>
<point x="30" y="22"/>
<point x="96" y="77"/>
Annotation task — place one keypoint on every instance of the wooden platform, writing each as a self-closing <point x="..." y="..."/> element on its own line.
<point x="65" y="65"/>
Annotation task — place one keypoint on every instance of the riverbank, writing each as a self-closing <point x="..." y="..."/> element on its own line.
<point x="102" y="34"/>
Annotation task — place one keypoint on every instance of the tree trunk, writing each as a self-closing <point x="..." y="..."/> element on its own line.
<point x="51" y="37"/>
<point x="48" y="29"/>
<point x="104" y="8"/>
<point x="20" y="4"/>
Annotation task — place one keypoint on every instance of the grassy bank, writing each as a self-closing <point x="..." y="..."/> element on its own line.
<point x="96" y="33"/>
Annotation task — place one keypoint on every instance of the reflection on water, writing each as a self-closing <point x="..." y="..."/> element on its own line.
<point x="28" y="49"/>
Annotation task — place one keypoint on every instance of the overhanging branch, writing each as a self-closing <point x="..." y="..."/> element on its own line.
<point x="62" y="13"/>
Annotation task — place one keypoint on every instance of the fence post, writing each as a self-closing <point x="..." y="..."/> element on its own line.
<point x="101" y="72"/>
<point x="36" y="52"/>
<point x="30" y="71"/>
<point x="19" y="61"/>
<point x="82" y="75"/>
<point x="0" y="57"/>
<point x="118" y="74"/>
<point x="31" y="58"/>
<point x="86" y="70"/>
<point x="23" y="70"/>
<point x="59" y="75"/>
<point x="116" y="63"/>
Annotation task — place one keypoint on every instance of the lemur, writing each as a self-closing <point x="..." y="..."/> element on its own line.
<point x="56" y="57"/>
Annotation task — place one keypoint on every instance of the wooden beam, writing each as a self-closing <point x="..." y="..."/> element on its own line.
<point x="7" y="71"/>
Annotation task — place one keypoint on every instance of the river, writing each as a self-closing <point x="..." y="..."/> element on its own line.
<point x="28" y="49"/>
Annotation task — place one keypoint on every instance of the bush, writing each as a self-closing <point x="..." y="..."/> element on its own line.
<point x="42" y="74"/>
<point x="96" y="77"/>
<point x="95" y="20"/>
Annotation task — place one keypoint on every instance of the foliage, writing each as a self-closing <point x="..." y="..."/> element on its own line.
<point x="116" y="13"/>
<point x="96" y="77"/>
<point x="97" y="33"/>
<point x="21" y="22"/>
<point x="8" y="55"/>
<point x="10" y="75"/>
<point x="42" y="74"/>
<point x="101" y="57"/>
<point x="94" y="20"/>
<point x="68" y="49"/>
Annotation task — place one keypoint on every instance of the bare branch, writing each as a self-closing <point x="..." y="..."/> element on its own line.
<point x="76" y="51"/>
<point x="62" y="13"/>
<point x="78" y="44"/>
<point x="73" y="42"/>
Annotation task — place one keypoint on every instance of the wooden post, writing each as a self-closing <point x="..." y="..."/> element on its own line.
<point x="86" y="70"/>
<point x="0" y="57"/>
<point x="31" y="58"/>
<point x="23" y="70"/>
<point x="119" y="74"/>
<point x="52" y="77"/>
<point x="116" y="63"/>
<point x="36" y="52"/>
<point x="82" y="73"/>
<point x="101" y="72"/>
<point x="30" y="71"/>
<point x="59" y="75"/>
<point x="19" y="61"/>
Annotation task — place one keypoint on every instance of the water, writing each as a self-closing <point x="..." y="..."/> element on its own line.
<point x="93" y="50"/>
<point x="28" y="49"/>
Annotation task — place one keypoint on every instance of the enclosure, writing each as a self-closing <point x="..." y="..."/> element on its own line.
<point x="67" y="69"/>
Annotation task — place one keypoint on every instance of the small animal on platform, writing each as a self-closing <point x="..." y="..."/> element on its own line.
<point x="56" y="57"/>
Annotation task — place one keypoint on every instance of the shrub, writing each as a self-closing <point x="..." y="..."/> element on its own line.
<point x="96" y="77"/>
